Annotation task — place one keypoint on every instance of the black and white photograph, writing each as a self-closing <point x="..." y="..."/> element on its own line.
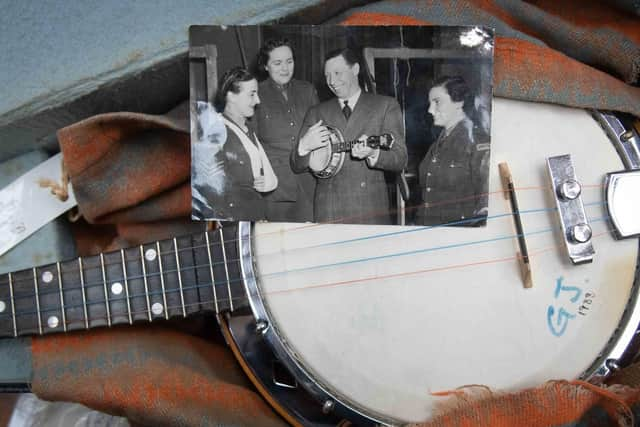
<point x="337" y="124"/>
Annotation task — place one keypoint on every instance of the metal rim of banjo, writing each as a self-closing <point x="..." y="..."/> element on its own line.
<point x="336" y="160"/>
<point x="615" y="354"/>
<point x="617" y="351"/>
<point x="330" y="401"/>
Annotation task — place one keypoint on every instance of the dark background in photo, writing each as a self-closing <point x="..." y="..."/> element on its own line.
<point x="401" y="62"/>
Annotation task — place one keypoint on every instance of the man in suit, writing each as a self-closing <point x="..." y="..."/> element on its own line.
<point x="359" y="192"/>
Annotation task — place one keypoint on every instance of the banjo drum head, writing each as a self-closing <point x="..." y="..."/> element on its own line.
<point x="319" y="159"/>
<point x="382" y="317"/>
<point x="324" y="162"/>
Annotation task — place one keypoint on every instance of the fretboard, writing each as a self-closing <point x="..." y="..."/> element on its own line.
<point x="339" y="147"/>
<point x="372" y="141"/>
<point x="168" y="278"/>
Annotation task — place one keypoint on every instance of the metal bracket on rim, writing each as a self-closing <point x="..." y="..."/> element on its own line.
<point x="625" y="140"/>
<point x="622" y="189"/>
<point x="622" y="197"/>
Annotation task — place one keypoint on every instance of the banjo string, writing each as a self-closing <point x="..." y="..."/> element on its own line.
<point x="309" y="226"/>
<point x="311" y="287"/>
<point x="425" y="271"/>
<point x="332" y="284"/>
<point x="339" y="242"/>
<point x="416" y="229"/>
<point x="424" y="250"/>
<point x="354" y="219"/>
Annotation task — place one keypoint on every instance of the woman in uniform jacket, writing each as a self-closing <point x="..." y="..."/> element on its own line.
<point x="453" y="175"/>
<point x="284" y="101"/>
<point x="244" y="171"/>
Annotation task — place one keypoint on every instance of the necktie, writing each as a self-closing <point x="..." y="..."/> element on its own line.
<point x="346" y="110"/>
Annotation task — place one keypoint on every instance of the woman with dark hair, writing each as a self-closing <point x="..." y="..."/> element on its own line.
<point x="453" y="175"/>
<point x="284" y="103"/>
<point x="247" y="172"/>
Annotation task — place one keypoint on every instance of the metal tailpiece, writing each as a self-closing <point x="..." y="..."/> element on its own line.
<point x="573" y="219"/>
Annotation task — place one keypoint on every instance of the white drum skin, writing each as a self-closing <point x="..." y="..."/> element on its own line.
<point x="433" y="309"/>
<point x="319" y="159"/>
<point x="323" y="162"/>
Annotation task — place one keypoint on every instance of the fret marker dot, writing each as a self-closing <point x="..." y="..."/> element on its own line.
<point x="53" y="322"/>
<point x="150" y="254"/>
<point x="3" y="306"/>
<point x="47" y="277"/>
<point x="157" y="308"/>
<point x="116" y="288"/>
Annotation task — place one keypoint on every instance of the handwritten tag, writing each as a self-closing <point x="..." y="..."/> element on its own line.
<point x="25" y="206"/>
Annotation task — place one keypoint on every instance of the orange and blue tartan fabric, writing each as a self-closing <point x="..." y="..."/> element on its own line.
<point x="578" y="53"/>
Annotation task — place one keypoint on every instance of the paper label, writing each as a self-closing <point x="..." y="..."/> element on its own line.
<point x="25" y="206"/>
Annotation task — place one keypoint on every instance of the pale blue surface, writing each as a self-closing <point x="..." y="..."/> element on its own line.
<point x="54" y="50"/>
<point x="15" y="354"/>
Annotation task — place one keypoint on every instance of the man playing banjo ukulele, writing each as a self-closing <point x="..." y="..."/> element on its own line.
<point x="358" y="192"/>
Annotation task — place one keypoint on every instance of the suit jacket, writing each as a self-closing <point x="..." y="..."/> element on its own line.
<point x="279" y="121"/>
<point x="358" y="193"/>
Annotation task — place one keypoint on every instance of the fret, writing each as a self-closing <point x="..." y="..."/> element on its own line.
<point x="64" y="317"/>
<point x="138" y="296"/>
<point x="236" y="287"/>
<point x="164" y="292"/>
<point x="204" y="260"/>
<point x="126" y="286"/>
<point x="226" y="268"/>
<point x="191" y="280"/>
<point x="13" y="306"/>
<point x="106" y="291"/>
<point x="84" y="294"/>
<point x="72" y="291"/>
<point x="117" y="288"/>
<point x="153" y="281"/>
<point x="171" y="278"/>
<point x="49" y="296"/>
<point x="213" y="277"/>
<point x="219" y="271"/>
<point x="94" y="298"/>
<point x="175" y="247"/>
<point x="146" y="284"/>
<point x="24" y="315"/>
<point x="6" y="319"/>
<point x="35" y="285"/>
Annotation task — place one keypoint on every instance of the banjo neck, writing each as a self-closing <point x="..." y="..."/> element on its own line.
<point x="372" y="141"/>
<point x="344" y="146"/>
<point x="169" y="278"/>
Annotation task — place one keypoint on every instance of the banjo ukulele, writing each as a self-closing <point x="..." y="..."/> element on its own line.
<point x="367" y="323"/>
<point x="326" y="162"/>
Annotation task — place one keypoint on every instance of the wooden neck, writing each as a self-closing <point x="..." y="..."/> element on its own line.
<point x="169" y="278"/>
<point x="344" y="146"/>
<point x="372" y="141"/>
